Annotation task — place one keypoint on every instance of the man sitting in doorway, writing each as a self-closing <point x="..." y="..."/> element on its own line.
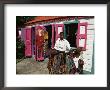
<point x="62" y="46"/>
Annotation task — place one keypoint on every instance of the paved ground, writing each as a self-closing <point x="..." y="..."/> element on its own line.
<point x="30" y="66"/>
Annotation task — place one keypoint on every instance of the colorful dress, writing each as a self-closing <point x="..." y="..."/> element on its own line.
<point x="40" y="46"/>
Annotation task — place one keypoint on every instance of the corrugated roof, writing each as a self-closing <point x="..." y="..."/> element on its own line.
<point x="44" y="18"/>
<point x="39" y="19"/>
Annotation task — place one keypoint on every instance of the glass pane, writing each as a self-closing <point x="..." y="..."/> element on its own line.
<point x="82" y="29"/>
<point x="59" y="30"/>
<point x="81" y="42"/>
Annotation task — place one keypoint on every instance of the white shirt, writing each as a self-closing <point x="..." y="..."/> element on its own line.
<point x="62" y="45"/>
<point x="76" y="59"/>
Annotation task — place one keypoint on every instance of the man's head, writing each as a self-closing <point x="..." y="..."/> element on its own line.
<point x="61" y="35"/>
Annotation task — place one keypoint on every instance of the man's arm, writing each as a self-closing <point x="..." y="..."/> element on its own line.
<point x="68" y="45"/>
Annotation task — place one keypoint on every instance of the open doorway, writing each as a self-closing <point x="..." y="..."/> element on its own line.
<point x="71" y="30"/>
<point x="33" y="40"/>
<point x="48" y="42"/>
<point x="49" y="30"/>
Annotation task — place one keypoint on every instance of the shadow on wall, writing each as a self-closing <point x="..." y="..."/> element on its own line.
<point x="92" y="69"/>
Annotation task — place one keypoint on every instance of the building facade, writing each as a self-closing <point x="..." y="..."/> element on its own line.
<point x="78" y="30"/>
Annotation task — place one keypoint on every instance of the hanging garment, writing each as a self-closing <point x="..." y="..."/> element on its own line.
<point x="40" y="42"/>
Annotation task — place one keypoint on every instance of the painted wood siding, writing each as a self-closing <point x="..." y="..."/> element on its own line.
<point x="28" y="47"/>
<point x="88" y="54"/>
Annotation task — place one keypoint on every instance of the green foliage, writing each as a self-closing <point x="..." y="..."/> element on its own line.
<point x="20" y="49"/>
<point x="21" y="20"/>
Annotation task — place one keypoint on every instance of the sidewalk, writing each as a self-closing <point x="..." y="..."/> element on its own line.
<point x="30" y="66"/>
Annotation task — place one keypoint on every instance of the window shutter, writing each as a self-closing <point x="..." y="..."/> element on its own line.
<point x="82" y="35"/>
<point x="28" y="47"/>
<point x="59" y="28"/>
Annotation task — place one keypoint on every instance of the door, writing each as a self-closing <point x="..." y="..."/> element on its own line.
<point x="59" y="28"/>
<point x="82" y="35"/>
<point x="28" y="47"/>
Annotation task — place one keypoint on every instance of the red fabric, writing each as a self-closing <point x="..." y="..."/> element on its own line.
<point x="40" y="42"/>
